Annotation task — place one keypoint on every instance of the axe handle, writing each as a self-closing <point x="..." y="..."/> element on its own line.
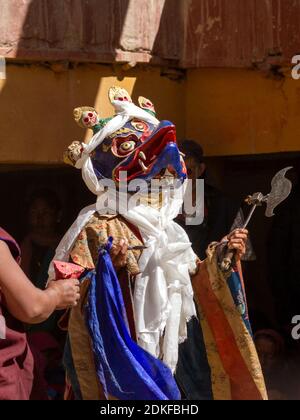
<point x="227" y="261"/>
<point x="249" y="216"/>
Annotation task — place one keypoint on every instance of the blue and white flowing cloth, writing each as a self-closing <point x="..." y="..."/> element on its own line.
<point x="125" y="370"/>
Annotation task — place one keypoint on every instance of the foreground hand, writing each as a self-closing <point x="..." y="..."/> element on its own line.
<point x="118" y="254"/>
<point x="237" y="241"/>
<point x="68" y="292"/>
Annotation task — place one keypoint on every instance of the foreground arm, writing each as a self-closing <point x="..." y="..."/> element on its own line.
<point x="26" y="302"/>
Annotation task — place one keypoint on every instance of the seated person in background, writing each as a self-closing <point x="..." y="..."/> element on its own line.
<point x="21" y="302"/>
<point x="221" y="214"/>
<point x="271" y="349"/>
<point x="42" y="237"/>
<point x="38" y="248"/>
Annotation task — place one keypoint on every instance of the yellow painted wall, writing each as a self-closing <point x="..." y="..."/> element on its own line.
<point x="230" y="112"/>
<point x="36" y="104"/>
<point x="234" y="112"/>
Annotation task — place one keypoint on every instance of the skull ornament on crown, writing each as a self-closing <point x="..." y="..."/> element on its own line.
<point x="90" y="119"/>
<point x="86" y="117"/>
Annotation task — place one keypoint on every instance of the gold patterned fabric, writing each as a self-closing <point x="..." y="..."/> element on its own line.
<point x="85" y="253"/>
<point x="235" y="368"/>
<point x="82" y="354"/>
<point x="96" y="233"/>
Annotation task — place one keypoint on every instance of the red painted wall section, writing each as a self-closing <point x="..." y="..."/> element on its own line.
<point x="235" y="33"/>
<point x="90" y="30"/>
<point x="184" y="33"/>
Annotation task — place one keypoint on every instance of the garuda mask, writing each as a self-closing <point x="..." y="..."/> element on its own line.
<point x="133" y="142"/>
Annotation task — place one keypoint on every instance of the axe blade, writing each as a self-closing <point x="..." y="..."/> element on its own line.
<point x="281" y="189"/>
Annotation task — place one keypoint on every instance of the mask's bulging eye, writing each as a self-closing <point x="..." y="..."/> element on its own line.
<point x="123" y="146"/>
<point x="127" y="146"/>
<point x="141" y="126"/>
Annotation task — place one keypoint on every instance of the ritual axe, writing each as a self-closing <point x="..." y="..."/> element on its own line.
<point x="281" y="189"/>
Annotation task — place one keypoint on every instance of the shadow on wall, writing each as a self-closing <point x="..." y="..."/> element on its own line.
<point x="169" y="95"/>
<point x="169" y="42"/>
<point x="36" y="102"/>
<point x="85" y="28"/>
